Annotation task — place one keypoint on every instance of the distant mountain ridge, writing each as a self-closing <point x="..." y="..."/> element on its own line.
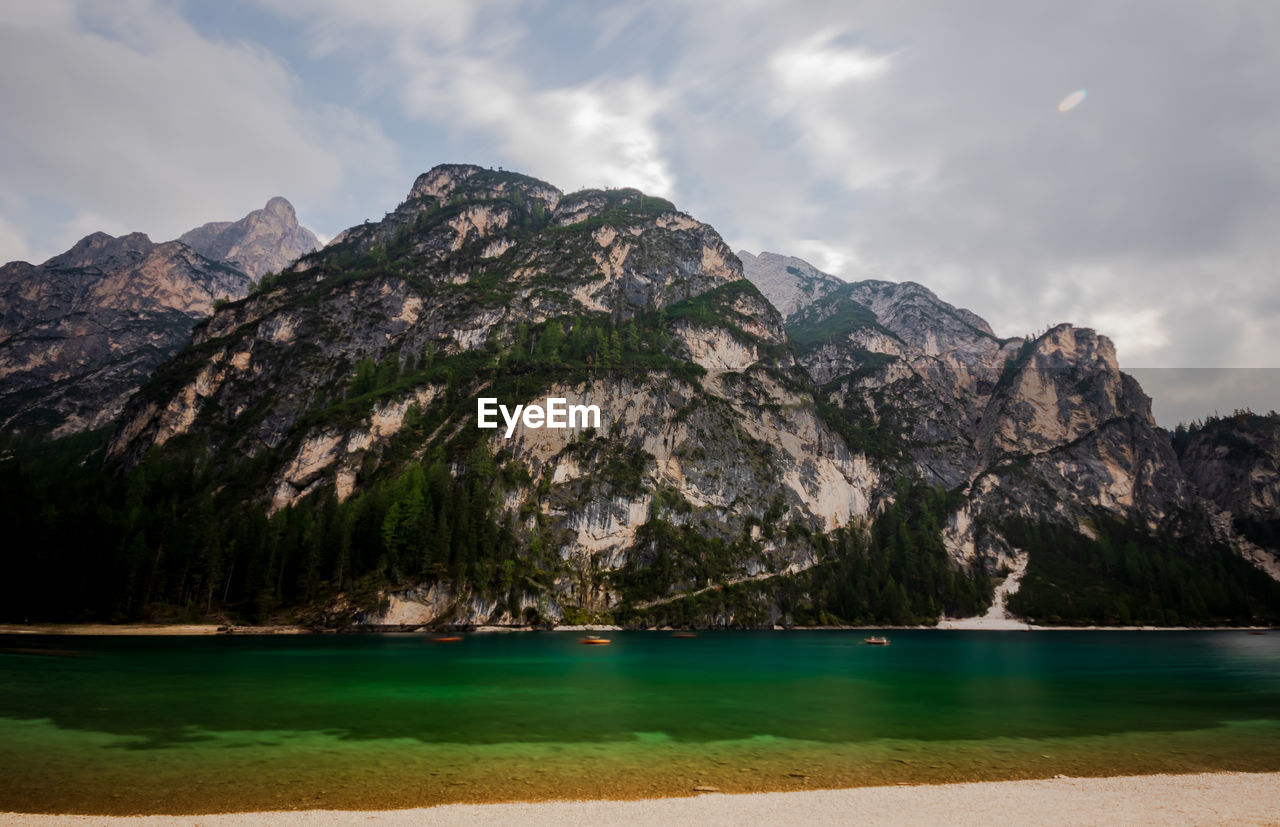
<point x="82" y="331"/>
<point x="264" y="241"/>
<point x="788" y="283"/>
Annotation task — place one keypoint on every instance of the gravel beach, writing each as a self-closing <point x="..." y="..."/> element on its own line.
<point x="1210" y="798"/>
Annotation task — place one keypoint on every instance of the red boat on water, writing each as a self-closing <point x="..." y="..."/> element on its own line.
<point x="876" y="641"/>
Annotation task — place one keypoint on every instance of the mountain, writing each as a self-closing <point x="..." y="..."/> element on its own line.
<point x="81" y="332"/>
<point x="264" y="241"/>
<point x="1052" y="452"/>
<point x="354" y="378"/>
<point x="319" y="452"/>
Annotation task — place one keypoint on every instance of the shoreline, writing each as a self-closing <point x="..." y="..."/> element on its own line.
<point x="203" y="629"/>
<point x="1228" y="797"/>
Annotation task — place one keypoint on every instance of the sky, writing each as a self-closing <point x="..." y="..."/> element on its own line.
<point x="904" y="140"/>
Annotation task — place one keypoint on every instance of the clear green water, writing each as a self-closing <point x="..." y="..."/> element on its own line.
<point x="172" y="725"/>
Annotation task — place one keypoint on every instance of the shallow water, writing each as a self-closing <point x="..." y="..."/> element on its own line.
<point x="204" y="724"/>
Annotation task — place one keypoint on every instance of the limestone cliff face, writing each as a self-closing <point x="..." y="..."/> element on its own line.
<point x="495" y="284"/>
<point x="1067" y="436"/>
<point x="264" y="241"/>
<point x="905" y="368"/>
<point x="79" y="333"/>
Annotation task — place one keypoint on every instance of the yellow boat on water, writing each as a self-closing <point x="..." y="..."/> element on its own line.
<point x="592" y="640"/>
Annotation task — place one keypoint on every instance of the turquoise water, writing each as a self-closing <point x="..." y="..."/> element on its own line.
<point x="144" y="724"/>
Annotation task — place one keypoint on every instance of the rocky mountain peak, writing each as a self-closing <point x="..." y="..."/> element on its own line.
<point x="440" y="181"/>
<point x="264" y="241"/>
<point x="447" y="183"/>
<point x="100" y="249"/>
<point x="1060" y="387"/>
<point x="280" y="207"/>
<point x="790" y="284"/>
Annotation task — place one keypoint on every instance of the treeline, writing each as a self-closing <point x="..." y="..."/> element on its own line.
<point x="905" y="575"/>
<point x="589" y="342"/>
<point x="1125" y="577"/>
<point x="162" y="541"/>
<point x="1232" y="430"/>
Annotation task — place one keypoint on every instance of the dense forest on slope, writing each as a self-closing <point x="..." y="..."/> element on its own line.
<point x="1126" y="577"/>
<point x="162" y="543"/>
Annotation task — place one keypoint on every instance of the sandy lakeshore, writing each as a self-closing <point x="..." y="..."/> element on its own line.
<point x="1210" y="798"/>
<point x="143" y="629"/>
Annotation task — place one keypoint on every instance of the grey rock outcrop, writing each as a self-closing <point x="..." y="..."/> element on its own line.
<point x="1234" y="461"/>
<point x="789" y="283"/>
<point x="264" y="241"/>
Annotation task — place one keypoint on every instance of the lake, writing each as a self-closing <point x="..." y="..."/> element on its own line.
<point x="222" y="723"/>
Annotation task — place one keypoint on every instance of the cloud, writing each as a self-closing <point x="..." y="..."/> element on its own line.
<point x="123" y="116"/>
<point x="879" y="140"/>
<point x="1180" y="395"/>
<point x="449" y="71"/>
<point x="815" y="64"/>
<point x="598" y="134"/>
<point x="13" y="243"/>
<point x="925" y="144"/>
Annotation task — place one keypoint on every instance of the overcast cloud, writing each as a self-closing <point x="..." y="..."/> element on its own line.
<point x="898" y="140"/>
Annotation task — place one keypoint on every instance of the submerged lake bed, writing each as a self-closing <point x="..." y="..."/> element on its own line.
<point x="240" y="723"/>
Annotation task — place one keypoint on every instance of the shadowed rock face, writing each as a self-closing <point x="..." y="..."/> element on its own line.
<point x="1234" y="461"/>
<point x="264" y="241"/>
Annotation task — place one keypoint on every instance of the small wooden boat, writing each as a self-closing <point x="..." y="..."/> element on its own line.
<point x="1257" y="632"/>
<point x="684" y="634"/>
<point x="447" y="639"/>
<point x="876" y="641"/>
<point x="592" y="640"/>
